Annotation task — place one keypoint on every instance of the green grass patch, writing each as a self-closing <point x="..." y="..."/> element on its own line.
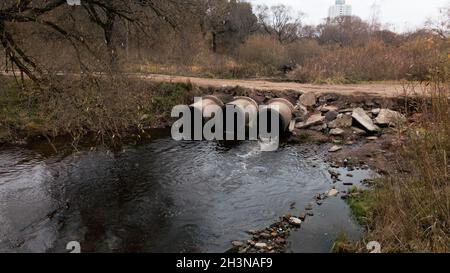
<point x="360" y="204"/>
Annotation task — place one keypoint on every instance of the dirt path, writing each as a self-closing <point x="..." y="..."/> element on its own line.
<point x="388" y="90"/>
<point x="373" y="89"/>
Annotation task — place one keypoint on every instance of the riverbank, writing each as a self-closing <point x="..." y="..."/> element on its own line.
<point x="408" y="209"/>
<point x="102" y="109"/>
<point x="114" y="111"/>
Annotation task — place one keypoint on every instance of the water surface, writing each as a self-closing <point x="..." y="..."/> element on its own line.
<point x="165" y="196"/>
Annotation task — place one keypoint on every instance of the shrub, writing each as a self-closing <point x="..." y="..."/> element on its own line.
<point x="263" y="54"/>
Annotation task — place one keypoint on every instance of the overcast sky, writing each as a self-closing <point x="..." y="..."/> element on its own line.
<point x="403" y="15"/>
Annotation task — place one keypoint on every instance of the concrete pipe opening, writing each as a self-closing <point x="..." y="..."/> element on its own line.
<point x="240" y="118"/>
<point x="205" y="110"/>
<point x="283" y="109"/>
<point x="207" y="106"/>
<point x="245" y="106"/>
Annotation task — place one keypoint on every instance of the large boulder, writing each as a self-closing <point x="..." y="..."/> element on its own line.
<point x="364" y="120"/>
<point x="344" y="121"/>
<point x="388" y="117"/>
<point x="311" y="121"/>
<point x="308" y="99"/>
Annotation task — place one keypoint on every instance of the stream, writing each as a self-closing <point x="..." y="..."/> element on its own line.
<point x="167" y="196"/>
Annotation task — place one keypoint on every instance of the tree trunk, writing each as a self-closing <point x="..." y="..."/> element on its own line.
<point x="112" y="51"/>
<point x="214" y="42"/>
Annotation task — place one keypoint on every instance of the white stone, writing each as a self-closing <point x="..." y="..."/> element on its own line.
<point x="328" y="108"/>
<point x="308" y="99"/>
<point x="388" y="117"/>
<point x="292" y="126"/>
<point x="337" y="132"/>
<point x="237" y="243"/>
<point x="332" y="193"/>
<point x="335" y="149"/>
<point x="362" y="118"/>
<point x="261" y="245"/>
<point x="295" y="221"/>
<point x="311" y="121"/>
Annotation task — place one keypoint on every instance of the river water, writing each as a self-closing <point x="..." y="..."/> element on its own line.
<point x="166" y="196"/>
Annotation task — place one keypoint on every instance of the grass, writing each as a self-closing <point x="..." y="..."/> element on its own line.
<point x="360" y="204"/>
<point x="342" y="244"/>
<point x="108" y="108"/>
<point x="409" y="210"/>
<point x="17" y="111"/>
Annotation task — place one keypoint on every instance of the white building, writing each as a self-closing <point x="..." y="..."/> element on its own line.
<point x="339" y="9"/>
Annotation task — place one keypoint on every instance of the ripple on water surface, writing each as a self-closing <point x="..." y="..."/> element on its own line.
<point x="165" y="196"/>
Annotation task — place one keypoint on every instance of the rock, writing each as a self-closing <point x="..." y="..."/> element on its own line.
<point x="308" y="99"/>
<point x="319" y="128"/>
<point x="375" y="111"/>
<point x="329" y="98"/>
<point x="309" y="207"/>
<point x="334" y="173"/>
<point x="311" y="121"/>
<point x="358" y="132"/>
<point x="348" y="184"/>
<point x="320" y="202"/>
<point x="300" y="110"/>
<point x="337" y="132"/>
<point x="343" y="121"/>
<point x="335" y="149"/>
<point x="388" y="117"/>
<point x="349" y="175"/>
<point x="310" y="213"/>
<point x="329" y="108"/>
<point x="302" y="216"/>
<point x="332" y="193"/>
<point x="237" y="243"/>
<point x="292" y="126"/>
<point x="295" y="221"/>
<point x="261" y="245"/>
<point x="362" y="118"/>
<point x="331" y="115"/>
<point x="346" y="110"/>
<point x="319" y="197"/>
<point x="372" y="138"/>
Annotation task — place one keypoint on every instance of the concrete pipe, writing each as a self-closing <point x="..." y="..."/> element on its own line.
<point x="285" y="111"/>
<point x="247" y="106"/>
<point x="207" y="105"/>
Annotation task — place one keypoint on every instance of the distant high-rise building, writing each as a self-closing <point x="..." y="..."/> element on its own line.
<point x="339" y="9"/>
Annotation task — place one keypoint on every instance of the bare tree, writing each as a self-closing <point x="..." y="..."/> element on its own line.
<point x="280" y="22"/>
<point x="344" y="31"/>
<point x="441" y="24"/>
<point x="231" y="20"/>
<point x="97" y="13"/>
